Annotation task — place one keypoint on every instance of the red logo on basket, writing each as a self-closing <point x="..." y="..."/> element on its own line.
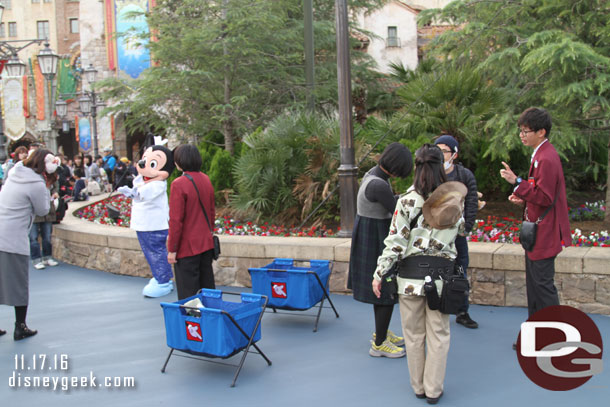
<point x="278" y="290"/>
<point x="193" y="331"/>
<point x="560" y="348"/>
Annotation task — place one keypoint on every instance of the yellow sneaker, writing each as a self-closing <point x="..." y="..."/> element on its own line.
<point x="386" y="349"/>
<point x="395" y="339"/>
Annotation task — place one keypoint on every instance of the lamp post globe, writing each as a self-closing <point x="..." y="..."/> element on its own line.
<point x="90" y="73"/>
<point x="61" y="107"/>
<point x="48" y="61"/>
<point x="84" y="103"/>
<point x="15" y="67"/>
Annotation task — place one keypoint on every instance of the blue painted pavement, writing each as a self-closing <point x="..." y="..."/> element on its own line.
<point x="105" y="328"/>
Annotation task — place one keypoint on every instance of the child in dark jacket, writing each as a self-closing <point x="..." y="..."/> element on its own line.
<point x="79" y="192"/>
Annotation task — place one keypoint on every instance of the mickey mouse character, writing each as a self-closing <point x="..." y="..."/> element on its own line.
<point x="150" y="215"/>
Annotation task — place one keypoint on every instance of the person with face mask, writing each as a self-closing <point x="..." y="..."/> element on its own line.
<point x="456" y="172"/>
<point x="25" y="195"/>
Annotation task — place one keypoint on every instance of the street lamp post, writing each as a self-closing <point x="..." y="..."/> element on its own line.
<point x="47" y="60"/>
<point x="15" y="68"/>
<point x="89" y="103"/>
<point x="309" y="54"/>
<point x="348" y="171"/>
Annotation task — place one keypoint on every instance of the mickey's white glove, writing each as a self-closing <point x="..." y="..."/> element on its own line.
<point x="125" y="190"/>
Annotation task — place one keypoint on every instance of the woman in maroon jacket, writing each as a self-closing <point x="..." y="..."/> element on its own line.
<point x="189" y="244"/>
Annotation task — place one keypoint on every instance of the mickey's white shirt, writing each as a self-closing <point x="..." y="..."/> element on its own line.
<point x="150" y="207"/>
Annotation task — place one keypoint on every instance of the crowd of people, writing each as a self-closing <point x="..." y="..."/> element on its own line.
<point x="75" y="180"/>
<point x="407" y="234"/>
<point x="36" y="183"/>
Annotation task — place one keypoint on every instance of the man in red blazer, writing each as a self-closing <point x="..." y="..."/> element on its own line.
<point x="544" y="185"/>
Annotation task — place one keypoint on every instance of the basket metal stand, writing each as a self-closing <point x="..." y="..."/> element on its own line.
<point x="206" y="358"/>
<point x="322" y="286"/>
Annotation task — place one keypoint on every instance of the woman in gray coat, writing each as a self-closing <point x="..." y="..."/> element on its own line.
<point x="25" y="195"/>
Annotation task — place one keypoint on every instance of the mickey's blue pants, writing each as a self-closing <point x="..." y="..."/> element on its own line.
<point x="155" y="251"/>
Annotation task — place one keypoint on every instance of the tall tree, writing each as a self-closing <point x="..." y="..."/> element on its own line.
<point x="550" y="53"/>
<point x="229" y="66"/>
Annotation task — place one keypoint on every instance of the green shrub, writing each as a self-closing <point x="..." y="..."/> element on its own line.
<point x="271" y="159"/>
<point x="216" y="162"/>
<point x="288" y="169"/>
<point x="220" y="172"/>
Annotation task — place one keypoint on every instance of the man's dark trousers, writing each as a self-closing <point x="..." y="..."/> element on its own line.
<point x="540" y="284"/>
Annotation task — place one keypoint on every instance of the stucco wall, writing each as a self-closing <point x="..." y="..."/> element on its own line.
<point x="426" y="4"/>
<point x="93" y="51"/>
<point x="26" y="14"/>
<point x="64" y="11"/>
<point x="396" y="15"/>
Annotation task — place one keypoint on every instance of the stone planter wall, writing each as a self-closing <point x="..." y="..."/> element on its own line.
<point x="497" y="271"/>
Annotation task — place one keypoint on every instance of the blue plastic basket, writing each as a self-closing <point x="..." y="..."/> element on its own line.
<point x="290" y="287"/>
<point x="213" y="334"/>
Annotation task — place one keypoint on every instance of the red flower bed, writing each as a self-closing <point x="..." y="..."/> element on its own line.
<point x="494" y="229"/>
<point x="98" y="212"/>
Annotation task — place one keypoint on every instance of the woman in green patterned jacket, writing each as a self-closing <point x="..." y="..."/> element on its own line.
<point x="429" y="242"/>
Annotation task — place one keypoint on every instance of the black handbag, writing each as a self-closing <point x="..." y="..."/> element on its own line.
<point x="216" y="247"/>
<point x="455" y="291"/>
<point x="214" y="237"/>
<point x="389" y="282"/>
<point x="527" y="237"/>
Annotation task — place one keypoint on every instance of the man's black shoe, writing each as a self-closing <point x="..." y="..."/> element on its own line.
<point x="2" y="332"/>
<point x="420" y="396"/>
<point x="464" y="319"/>
<point x="434" y="400"/>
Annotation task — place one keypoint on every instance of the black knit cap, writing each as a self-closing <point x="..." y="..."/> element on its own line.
<point x="397" y="160"/>
<point x="449" y="141"/>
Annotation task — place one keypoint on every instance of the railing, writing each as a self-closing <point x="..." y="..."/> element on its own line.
<point x="392" y="42"/>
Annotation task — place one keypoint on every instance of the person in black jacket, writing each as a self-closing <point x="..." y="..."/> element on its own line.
<point x="79" y="191"/>
<point x="456" y="172"/>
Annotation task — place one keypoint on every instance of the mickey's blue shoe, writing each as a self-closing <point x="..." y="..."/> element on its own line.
<point x="155" y="290"/>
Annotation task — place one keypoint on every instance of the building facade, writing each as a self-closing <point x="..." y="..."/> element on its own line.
<point x="55" y="22"/>
<point x="393" y="36"/>
<point x="83" y="33"/>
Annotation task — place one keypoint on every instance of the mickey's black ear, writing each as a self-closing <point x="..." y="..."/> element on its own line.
<point x="169" y="164"/>
<point x="149" y="140"/>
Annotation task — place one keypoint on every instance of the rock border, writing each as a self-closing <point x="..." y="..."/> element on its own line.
<point x="496" y="270"/>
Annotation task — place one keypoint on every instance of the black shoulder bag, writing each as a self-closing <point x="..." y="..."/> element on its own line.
<point x="214" y="237"/>
<point x="455" y="291"/>
<point x="527" y="237"/>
